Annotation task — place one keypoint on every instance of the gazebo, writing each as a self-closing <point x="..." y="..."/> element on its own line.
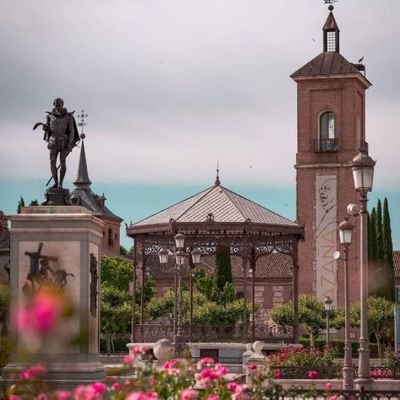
<point x="214" y="217"/>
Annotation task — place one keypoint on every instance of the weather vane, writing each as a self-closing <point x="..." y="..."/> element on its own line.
<point x="217" y="181"/>
<point x="82" y="117"/>
<point x="330" y="2"/>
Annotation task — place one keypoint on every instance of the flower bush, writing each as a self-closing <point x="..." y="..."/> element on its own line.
<point x="308" y="363"/>
<point x="177" y="379"/>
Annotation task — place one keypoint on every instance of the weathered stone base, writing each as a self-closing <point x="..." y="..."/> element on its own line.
<point x="57" y="197"/>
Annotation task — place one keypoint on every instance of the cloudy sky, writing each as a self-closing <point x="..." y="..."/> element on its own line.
<point x="172" y="86"/>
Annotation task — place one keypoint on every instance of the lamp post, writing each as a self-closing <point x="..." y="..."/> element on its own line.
<point x="253" y="305"/>
<point x="196" y="256"/>
<point x="345" y="236"/>
<point x="180" y="256"/>
<point x="363" y="172"/>
<point x="328" y="305"/>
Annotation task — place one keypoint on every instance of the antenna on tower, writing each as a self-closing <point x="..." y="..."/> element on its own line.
<point x="82" y="116"/>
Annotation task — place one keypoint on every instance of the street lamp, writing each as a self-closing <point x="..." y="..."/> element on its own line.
<point x="363" y="173"/>
<point x="328" y="306"/>
<point x="180" y="256"/>
<point x="345" y="236"/>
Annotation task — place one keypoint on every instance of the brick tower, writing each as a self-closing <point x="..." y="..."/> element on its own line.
<point x="330" y="131"/>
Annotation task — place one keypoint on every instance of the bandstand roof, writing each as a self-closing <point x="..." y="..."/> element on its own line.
<point x="217" y="205"/>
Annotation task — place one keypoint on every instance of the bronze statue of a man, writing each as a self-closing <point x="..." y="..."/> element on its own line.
<point x="61" y="134"/>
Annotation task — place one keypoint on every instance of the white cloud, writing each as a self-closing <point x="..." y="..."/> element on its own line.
<point x="172" y="87"/>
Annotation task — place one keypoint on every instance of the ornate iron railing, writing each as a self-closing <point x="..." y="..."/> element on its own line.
<point x="326" y="145"/>
<point x="204" y="333"/>
<point x="361" y="394"/>
<point x="301" y="371"/>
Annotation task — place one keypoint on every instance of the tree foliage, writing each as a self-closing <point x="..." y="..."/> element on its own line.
<point x="380" y="251"/>
<point x="211" y="306"/>
<point x="380" y="319"/>
<point x="312" y="315"/>
<point x="21" y="203"/>
<point x="223" y="271"/>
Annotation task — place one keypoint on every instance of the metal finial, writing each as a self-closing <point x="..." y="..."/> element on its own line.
<point x="82" y="116"/>
<point x="330" y="2"/>
<point x="217" y="181"/>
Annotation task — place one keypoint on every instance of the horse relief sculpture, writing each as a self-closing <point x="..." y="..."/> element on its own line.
<point x="41" y="273"/>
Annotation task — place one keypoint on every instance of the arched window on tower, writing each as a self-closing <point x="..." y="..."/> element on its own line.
<point x="327" y="140"/>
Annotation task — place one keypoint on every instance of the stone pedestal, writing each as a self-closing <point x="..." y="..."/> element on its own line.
<point x="70" y="237"/>
<point x="57" y="197"/>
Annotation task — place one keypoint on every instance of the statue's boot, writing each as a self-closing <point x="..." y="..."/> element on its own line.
<point x="63" y="170"/>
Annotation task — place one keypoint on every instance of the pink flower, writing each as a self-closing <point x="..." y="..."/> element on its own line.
<point x="142" y="396"/>
<point x="252" y="366"/>
<point x="232" y="386"/>
<point x="36" y="371"/>
<point x="14" y="397"/>
<point x="85" y="393"/>
<point x="63" y="395"/>
<point x="213" y="397"/>
<point x="278" y="374"/>
<point x="328" y="385"/>
<point x="99" y="387"/>
<point x="41" y="396"/>
<point x="313" y="374"/>
<point x="41" y="315"/>
<point x="129" y="360"/>
<point x="143" y="349"/>
<point x="189" y="394"/>
<point x="169" y="364"/>
<point x="220" y="370"/>
<point x="332" y="398"/>
<point x="115" y="386"/>
<point x="206" y="361"/>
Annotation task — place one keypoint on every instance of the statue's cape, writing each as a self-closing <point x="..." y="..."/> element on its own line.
<point x="76" y="133"/>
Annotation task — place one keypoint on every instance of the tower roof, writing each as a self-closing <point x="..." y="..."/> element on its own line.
<point x="83" y="194"/>
<point x="330" y="62"/>
<point x="330" y="23"/>
<point x="82" y="180"/>
<point x="327" y="63"/>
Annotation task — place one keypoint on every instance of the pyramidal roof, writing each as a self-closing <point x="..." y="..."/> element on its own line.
<point x="221" y="205"/>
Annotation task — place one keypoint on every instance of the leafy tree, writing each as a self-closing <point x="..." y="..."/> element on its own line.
<point x="311" y="315"/>
<point x="4" y="306"/>
<point x="380" y="250"/>
<point x="33" y="203"/>
<point x="223" y="272"/>
<point x="21" y="203"/>
<point x="372" y="249"/>
<point x="116" y="272"/>
<point x="379" y="231"/>
<point x="380" y="319"/>
<point x="122" y="250"/>
<point x="388" y="251"/>
<point x="211" y="306"/>
<point x="116" y="299"/>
